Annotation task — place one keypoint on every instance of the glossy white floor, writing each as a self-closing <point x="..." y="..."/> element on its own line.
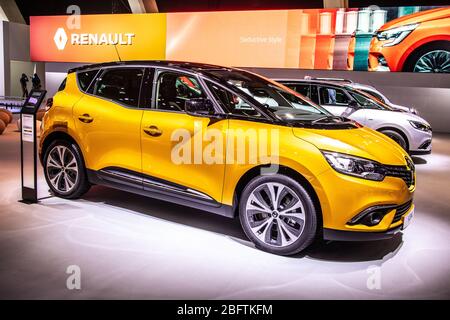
<point x="128" y="246"/>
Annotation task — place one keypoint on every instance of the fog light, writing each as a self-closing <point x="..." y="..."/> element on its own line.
<point x="382" y="64"/>
<point x="371" y="216"/>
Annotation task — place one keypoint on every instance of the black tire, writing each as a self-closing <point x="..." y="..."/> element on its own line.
<point x="81" y="184"/>
<point x="412" y="60"/>
<point x="397" y="137"/>
<point x="309" y="230"/>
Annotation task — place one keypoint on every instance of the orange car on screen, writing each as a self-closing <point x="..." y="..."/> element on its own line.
<point x="419" y="42"/>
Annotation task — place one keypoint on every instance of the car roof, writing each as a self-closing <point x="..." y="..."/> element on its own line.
<point x="325" y="82"/>
<point x="181" y="65"/>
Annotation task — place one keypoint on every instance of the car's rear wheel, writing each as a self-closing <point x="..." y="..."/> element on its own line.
<point x="64" y="170"/>
<point x="430" y="58"/>
<point x="397" y="137"/>
<point x="278" y="214"/>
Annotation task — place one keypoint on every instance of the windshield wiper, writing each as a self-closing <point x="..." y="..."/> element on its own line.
<point x="329" y="118"/>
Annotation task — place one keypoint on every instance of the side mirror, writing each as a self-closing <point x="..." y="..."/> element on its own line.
<point x="199" y="107"/>
<point x="353" y="104"/>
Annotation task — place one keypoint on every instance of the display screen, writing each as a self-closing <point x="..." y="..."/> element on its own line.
<point x="33" y="100"/>
<point x="396" y="39"/>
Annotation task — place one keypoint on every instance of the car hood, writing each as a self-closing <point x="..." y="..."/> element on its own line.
<point x="399" y="107"/>
<point x="427" y="15"/>
<point x="415" y="117"/>
<point x="361" y="142"/>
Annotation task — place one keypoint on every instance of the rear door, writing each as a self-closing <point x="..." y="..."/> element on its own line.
<point x="108" y="119"/>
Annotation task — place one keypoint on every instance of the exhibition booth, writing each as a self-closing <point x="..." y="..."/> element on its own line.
<point x="256" y="154"/>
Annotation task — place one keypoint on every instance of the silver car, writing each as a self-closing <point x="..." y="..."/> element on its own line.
<point x="409" y="130"/>
<point x="370" y="90"/>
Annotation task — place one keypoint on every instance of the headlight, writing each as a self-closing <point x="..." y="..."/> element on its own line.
<point x="420" y="126"/>
<point x="395" y="35"/>
<point x="355" y="166"/>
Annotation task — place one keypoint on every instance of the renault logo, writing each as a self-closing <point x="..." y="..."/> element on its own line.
<point x="410" y="164"/>
<point x="60" y="38"/>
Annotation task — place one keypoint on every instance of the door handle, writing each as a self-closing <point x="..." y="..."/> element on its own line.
<point x="86" y="118"/>
<point x="152" y="131"/>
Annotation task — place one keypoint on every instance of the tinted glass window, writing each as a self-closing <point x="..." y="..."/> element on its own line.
<point x="121" y="85"/>
<point x="85" y="79"/>
<point x="303" y="89"/>
<point x="62" y="86"/>
<point x="174" y="89"/>
<point x="232" y="103"/>
<point x="314" y="94"/>
<point x="333" y="96"/>
<point x="376" y="95"/>
<point x="365" y="101"/>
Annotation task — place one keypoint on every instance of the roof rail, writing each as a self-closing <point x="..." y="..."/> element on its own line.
<point x="96" y="65"/>
<point x="328" y="79"/>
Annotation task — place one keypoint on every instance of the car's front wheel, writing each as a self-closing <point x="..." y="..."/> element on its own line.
<point x="64" y="170"/>
<point x="432" y="58"/>
<point x="278" y="214"/>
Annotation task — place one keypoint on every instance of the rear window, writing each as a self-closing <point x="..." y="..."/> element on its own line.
<point x="85" y="78"/>
<point x="62" y="86"/>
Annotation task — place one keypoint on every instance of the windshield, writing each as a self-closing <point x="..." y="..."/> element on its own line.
<point x="368" y="101"/>
<point x="271" y="96"/>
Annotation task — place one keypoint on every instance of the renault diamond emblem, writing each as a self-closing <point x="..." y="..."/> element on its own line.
<point x="60" y="38"/>
<point x="410" y="164"/>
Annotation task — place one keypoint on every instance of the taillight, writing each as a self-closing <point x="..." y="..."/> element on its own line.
<point x="49" y="104"/>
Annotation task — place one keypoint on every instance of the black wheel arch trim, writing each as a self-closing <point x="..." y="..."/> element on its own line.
<point x="399" y="131"/>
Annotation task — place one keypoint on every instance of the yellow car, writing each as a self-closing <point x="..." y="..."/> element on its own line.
<point x="229" y="142"/>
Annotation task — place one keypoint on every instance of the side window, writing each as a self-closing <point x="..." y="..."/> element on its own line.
<point x="62" y="86"/>
<point x="85" y="78"/>
<point x="232" y="103"/>
<point x="365" y="102"/>
<point x="314" y="94"/>
<point x="173" y="89"/>
<point x="333" y="96"/>
<point x="303" y="89"/>
<point x="374" y="94"/>
<point x="122" y="85"/>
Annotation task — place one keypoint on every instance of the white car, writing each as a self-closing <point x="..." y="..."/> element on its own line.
<point x="409" y="130"/>
<point x="370" y="90"/>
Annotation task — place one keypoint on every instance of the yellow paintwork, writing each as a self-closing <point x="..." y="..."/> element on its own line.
<point x="115" y="137"/>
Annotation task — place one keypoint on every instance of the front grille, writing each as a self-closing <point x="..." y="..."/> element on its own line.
<point x="401" y="172"/>
<point x="425" y="145"/>
<point x="401" y="210"/>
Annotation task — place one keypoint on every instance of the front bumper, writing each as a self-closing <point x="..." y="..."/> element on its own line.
<point x="420" y="142"/>
<point x="383" y="58"/>
<point x="343" y="197"/>
<point x="397" y="220"/>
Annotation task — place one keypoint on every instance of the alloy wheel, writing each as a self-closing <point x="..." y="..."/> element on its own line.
<point x="434" y="61"/>
<point x="275" y="214"/>
<point x="62" y="169"/>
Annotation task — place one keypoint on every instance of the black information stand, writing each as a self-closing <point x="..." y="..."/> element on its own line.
<point x="28" y="145"/>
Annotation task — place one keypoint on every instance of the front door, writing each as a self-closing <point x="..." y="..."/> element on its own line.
<point x="177" y="152"/>
<point x="335" y="100"/>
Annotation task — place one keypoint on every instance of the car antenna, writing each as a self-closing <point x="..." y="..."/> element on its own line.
<point x="117" y="51"/>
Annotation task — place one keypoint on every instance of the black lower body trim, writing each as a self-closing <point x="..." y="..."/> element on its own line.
<point x="132" y="184"/>
<point x="419" y="152"/>
<point x="341" y="235"/>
